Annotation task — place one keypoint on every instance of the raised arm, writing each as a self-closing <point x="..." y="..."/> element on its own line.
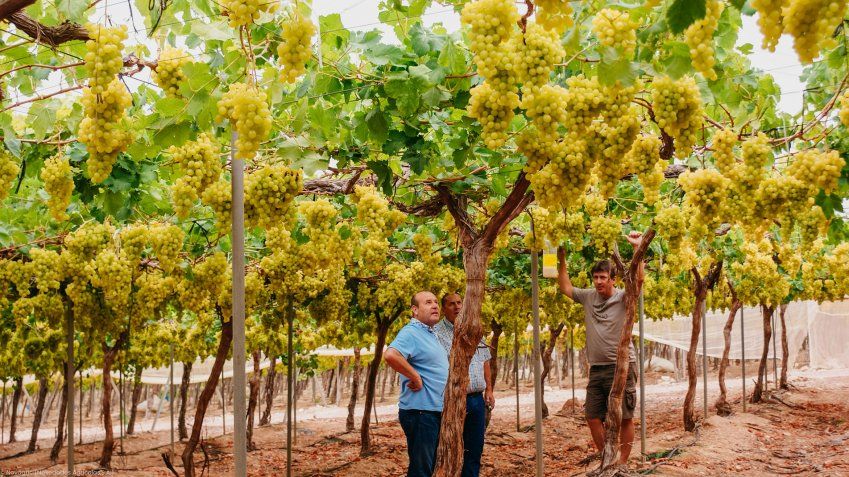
<point x="563" y="280"/>
<point x="634" y="238"/>
<point x="396" y="361"/>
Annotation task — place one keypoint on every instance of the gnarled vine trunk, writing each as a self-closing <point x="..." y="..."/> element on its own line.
<point x="206" y="396"/>
<point x="39" y="411"/>
<point x="184" y="397"/>
<point x="371" y="382"/>
<point x="253" y="400"/>
<point x="785" y="349"/>
<point x="61" y="424"/>
<point x="766" y="312"/>
<point x="269" y="392"/>
<point x="722" y="406"/>
<point x="109" y="354"/>
<point x="16" y="400"/>
<point x="355" y="388"/>
<point x="632" y="278"/>
<point x="546" y="362"/>
<point x="135" y="397"/>
<point x="701" y="286"/>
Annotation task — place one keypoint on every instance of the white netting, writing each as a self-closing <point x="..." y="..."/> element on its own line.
<point x="826" y="326"/>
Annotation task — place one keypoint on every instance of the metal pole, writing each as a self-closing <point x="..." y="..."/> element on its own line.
<point x="223" y="406"/>
<point x="572" y="360"/>
<point x="536" y="356"/>
<point x="121" y="405"/>
<point x="171" y="396"/>
<point x="516" y="368"/>
<point x="642" y="385"/>
<point x="290" y="312"/>
<point x="295" y="403"/>
<point x="704" y="359"/>
<point x="69" y="382"/>
<point x="3" y="414"/>
<point x="81" y="408"/>
<point x="238" y="243"/>
<point x="743" y="354"/>
<point x="774" y="357"/>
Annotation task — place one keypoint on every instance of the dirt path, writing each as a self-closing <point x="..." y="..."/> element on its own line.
<point x="806" y="434"/>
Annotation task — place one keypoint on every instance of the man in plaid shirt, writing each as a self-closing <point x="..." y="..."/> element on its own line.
<point x="479" y="394"/>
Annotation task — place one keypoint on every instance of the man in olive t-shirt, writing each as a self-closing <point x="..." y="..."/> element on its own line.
<point x="604" y="317"/>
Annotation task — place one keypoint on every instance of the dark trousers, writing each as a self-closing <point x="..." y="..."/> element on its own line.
<point x="473" y="434"/>
<point x="422" y="431"/>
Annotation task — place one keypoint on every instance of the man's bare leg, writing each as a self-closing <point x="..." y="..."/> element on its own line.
<point x="626" y="439"/>
<point x="597" y="430"/>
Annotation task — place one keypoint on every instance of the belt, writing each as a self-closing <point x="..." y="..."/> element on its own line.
<point x="479" y="393"/>
<point x="422" y="411"/>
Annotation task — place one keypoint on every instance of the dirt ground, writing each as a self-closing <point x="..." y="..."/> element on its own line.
<point x="803" y="431"/>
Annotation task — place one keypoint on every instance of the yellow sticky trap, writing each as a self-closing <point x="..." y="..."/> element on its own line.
<point x="549" y="262"/>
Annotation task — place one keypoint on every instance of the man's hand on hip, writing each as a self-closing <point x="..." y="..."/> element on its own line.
<point x="415" y="384"/>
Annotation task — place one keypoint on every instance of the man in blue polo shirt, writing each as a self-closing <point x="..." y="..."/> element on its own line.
<point x="420" y="359"/>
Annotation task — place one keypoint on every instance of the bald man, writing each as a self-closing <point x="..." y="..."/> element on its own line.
<point x="417" y="355"/>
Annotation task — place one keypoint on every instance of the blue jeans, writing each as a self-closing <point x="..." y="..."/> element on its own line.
<point x="422" y="431"/>
<point x="473" y="434"/>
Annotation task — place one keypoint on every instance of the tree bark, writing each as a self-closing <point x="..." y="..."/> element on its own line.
<point x="355" y="387"/>
<point x="135" y="397"/>
<point x="269" y="392"/>
<point x="253" y="400"/>
<point x="722" y="406"/>
<point x="109" y="354"/>
<point x="371" y="383"/>
<point x="785" y="349"/>
<point x="206" y="396"/>
<point x="633" y="286"/>
<point x="60" y="425"/>
<point x="757" y="394"/>
<point x="39" y="411"/>
<point x="16" y="399"/>
<point x="497" y="329"/>
<point x="701" y="286"/>
<point x="184" y="395"/>
<point x="546" y="362"/>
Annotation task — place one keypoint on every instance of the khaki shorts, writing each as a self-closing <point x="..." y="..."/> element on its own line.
<point x="598" y="389"/>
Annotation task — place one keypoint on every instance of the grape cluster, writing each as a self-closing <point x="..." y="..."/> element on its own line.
<point x="374" y="212"/>
<point x="8" y="171"/>
<point x="113" y="276"/>
<point x="604" y="231"/>
<point x="218" y="196"/>
<point x="268" y="193"/>
<point x="757" y="277"/>
<point x="103" y="55"/>
<point x="46" y="269"/>
<point x="134" y="240"/>
<point x="699" y="37"/>
<point x="778" y="196"/>
<point x="494" y="111"/>
<point x="535" y="148"/>
<point x="564" y="179"/>
<point x="167" y="241"/>
<point x="611" y="141"/>
<point x="199" y="290"/>
<point x="168" y="74"/>
<point x="491" y="23"/>
<point x="294" y="49"/>
<point x="569" y="228"/>
<point x="245" y="106"/>
<point x="812" y="223"/>
<point x="200" y="166"/>
<point x="244" y="12"/>
<point x="817" y="169"/>
<point x="844" y="109"/>
<point x="723" y="151"/>
<point x="88" y="240"/>
<point x="585" y="100"/>
<point x="594" y="204"/>
<point x="812" y="23"/>
<point x="615" y="29"/>
<point x="101" y="129"/>
<point x="554" y="14"/>
<point x="59" y="184"/>
<point x="153" y="290"/>
<point x="546" y="107"/>
<point x="535" y="53"/>
<point x="671" y="224"/>
<point x="644" y="160"/>
<point x="705" y="191"/>
<point x="678" y="110"/>
<point x="770" y="21"/>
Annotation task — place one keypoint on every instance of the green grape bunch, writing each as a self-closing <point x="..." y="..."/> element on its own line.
<point x="9" y="169"/>
<point x="699" y="37"/>
<point x="811" y="23"/>
<point x="246" y="107"/>
<point x="168" y="73"/>
<point x="604" y="232"/>
<point x="103" y="55"/>
<point x="268" y="193"/>
<point x="491" y="23"/>
<point x="494" y="111"/>
<point x="201" y="167"/>
<point x="678" y="109"/>
<point x="294" y="49"/>
<point x="615" y="29"/>
<point x="58" y="180"/>
<point x="242" y="13"/>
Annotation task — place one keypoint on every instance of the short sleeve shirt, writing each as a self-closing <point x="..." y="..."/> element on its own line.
<point x="477" y="383"/>
<point x="419" y="345"/>
<point x="604" y="319"/>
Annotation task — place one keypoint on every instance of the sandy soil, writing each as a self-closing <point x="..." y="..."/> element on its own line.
<point x="806" y="433"/>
